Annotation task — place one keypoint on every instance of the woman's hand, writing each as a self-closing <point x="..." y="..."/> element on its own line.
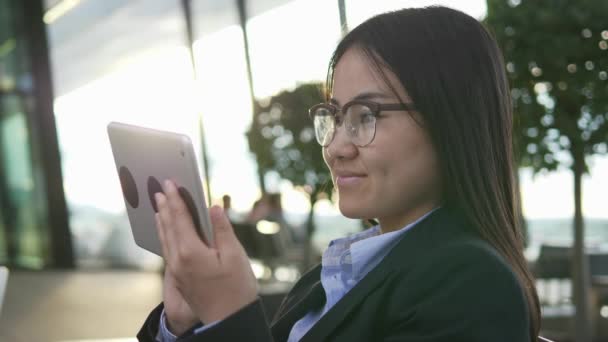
<point x="178" y="313"/>
<point x="213" y="282"/>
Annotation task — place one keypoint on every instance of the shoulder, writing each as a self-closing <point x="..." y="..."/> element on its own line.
<point x="467" y="264"/>
<point x="470" y="254"/>
<point x="464" y="285"/>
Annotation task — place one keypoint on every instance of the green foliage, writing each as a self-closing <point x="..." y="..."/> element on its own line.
<point x="556" y="52"/>
<point x="283" y="139"/>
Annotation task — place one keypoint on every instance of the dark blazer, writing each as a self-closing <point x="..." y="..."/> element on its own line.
<point x="440" y="283"/>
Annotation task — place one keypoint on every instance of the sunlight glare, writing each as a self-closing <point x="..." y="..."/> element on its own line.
<point x="223" y="96"/>
<point x="292" y="44"/>
<point x="155" y="90"/>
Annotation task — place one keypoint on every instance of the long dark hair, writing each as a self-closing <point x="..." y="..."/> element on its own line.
<point x="453" y="71"/>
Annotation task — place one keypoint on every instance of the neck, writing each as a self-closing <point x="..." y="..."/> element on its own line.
<point x="393" y="223"/>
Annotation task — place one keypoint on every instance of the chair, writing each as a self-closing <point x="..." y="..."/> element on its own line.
<point x="554" y="263"/>
<point x="598" y="264"/>
<point x="257" y="245"/>
<point x="246" y="233"/>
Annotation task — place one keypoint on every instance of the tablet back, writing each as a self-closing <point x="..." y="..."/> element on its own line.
<point x="144" y="158"/>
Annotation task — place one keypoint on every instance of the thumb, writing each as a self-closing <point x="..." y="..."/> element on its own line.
<point x="224" y="234"/>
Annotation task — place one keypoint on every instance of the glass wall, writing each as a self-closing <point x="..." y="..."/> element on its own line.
<point x="129" y="61"/>
<point x="224" y="102"/>
<point x="24" y="221"/>
<point x="115" y="61"/>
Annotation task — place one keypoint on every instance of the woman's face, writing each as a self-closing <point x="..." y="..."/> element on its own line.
<point x="396" y="177"/>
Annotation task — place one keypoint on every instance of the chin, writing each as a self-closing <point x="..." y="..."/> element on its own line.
<point x="353" y="211"/>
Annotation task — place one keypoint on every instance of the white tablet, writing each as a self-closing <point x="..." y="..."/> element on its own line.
<point x="144" y="158"/>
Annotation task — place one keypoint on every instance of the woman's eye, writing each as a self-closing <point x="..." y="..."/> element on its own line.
<point x="367" y="118"/>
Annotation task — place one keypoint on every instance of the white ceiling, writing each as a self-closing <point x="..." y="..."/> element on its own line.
<point x="90" y="38"/>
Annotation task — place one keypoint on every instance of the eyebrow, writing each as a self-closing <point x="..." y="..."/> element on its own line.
<point x="365" y="96"/>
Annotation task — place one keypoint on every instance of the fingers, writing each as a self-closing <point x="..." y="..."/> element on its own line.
<point x="164" y="222"/>
<point x="182" y="219"/>
<point x="161" y="234"/>
<point x="181" y="241"/>
<point x="225" y="239"/>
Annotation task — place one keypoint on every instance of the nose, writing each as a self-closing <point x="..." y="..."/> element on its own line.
<point x="341" y="146"/>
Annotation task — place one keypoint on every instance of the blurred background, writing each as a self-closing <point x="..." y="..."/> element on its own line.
<point x="238" y="77"/>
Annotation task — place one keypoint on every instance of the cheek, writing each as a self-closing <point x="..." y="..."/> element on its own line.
<point x="409" y="165"/>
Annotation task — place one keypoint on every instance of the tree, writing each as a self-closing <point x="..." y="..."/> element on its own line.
<point x="282" y="139"/>
<point x="556" y="53"/>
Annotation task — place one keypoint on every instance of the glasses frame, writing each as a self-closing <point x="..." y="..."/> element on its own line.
<point x="375" y="108"/>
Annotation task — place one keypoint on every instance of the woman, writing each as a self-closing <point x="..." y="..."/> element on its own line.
<point x="417" y="134"/>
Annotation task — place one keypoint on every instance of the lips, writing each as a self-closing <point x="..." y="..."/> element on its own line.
<point x="348" y="179"/>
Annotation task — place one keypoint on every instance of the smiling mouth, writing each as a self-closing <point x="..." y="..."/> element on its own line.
<point x="349" y="181"/>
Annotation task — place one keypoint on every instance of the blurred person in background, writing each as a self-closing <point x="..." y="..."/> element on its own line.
<point x="259" y="210"/>
<point x="226" y="202"/>
<point x="416" y="132"/>
<point x="227" y="205"/>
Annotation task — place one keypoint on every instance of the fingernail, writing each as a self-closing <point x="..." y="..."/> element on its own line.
<point x="168" y="184"/>
<point x="217" y="212"/>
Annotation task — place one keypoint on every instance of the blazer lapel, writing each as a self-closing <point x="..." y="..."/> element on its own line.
<point x="344" y="306"/>
<point x="430" y="233"/>
<point x="308" y="295"/>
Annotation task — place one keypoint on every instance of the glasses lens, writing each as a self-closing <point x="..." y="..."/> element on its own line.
<point x="324" y="126"/>
<point x="360" y="124"/>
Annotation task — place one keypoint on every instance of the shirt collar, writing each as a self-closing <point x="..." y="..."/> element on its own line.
<point x="367" y="253"/>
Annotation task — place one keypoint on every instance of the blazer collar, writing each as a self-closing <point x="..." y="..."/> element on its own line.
<point x="307" y="294"/>
<point x="428" y="234"/>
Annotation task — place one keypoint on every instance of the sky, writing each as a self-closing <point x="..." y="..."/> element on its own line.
<point x="155" y="87"/>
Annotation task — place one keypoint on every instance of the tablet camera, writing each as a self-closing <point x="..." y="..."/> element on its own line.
<point x="129" y="188"/>
<point x="153" y="187"/>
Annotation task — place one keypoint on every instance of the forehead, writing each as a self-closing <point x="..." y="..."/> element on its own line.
<point x="356" y="73"/>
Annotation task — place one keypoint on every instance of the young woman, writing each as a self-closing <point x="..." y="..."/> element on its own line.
<point x="417" y="134"/>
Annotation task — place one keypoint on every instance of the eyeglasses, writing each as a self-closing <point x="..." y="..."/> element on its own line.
<point x="358" y="116"/>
